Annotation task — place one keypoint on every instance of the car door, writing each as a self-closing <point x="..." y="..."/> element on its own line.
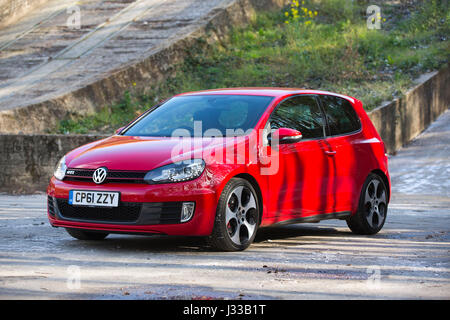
<point x="343" y="136"/>
<point x="300" y="185"/>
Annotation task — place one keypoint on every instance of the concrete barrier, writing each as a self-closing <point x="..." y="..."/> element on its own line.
<point x="27" y="161"/>
<point x="399" y="121"/>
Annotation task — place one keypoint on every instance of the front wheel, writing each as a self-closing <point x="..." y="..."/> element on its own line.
<point x="237" y="217"/>
<point x="372" y="210"/>
<point x="86" y="235"/>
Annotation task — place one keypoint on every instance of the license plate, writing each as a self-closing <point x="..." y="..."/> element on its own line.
<point x="94" y="198"/>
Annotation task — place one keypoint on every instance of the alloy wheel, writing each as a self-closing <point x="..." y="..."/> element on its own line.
<point x="375" y="204"/>
<point x="241" y="215"/>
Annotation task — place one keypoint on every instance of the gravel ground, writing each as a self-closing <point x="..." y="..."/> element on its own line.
<point x="408" y="259"/>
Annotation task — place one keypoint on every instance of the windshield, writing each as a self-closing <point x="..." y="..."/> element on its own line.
<point x="207" y="115"/>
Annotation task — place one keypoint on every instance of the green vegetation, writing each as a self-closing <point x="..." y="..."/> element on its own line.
<point x="321" y="44"/>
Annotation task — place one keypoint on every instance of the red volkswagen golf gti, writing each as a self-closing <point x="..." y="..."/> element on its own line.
<point x="223" y="163"/>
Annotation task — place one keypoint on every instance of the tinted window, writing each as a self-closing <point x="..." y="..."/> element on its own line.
<point x="341" y="116"/>
<point x="300" y="113"/>
<point x="216" y="112"/>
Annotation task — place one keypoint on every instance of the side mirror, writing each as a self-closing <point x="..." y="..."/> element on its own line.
<point x="119" y="130"/>
<point x="285" y="136"/>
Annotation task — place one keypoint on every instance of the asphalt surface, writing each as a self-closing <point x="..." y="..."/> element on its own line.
<point x="408" y="259"/>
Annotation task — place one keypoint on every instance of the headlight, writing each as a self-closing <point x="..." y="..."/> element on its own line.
<point x="176" y="172"/>
<point x="61" y="168"/>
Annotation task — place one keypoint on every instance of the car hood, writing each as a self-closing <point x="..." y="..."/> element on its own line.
<point x="141" y="153"/>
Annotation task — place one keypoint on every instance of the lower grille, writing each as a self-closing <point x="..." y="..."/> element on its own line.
<point x="161" y="213"/>
<point x="126" y="212"/>
<point x="50" y="206"/>
<point x="150" y="213"/>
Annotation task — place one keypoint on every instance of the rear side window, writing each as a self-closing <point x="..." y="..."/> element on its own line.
<point x="301" y="113"/>
<point x="341" y="117"/>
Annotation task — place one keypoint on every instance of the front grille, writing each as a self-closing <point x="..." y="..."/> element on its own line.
<point x="113" y="176"/>
<point x="81" y="173"/>
<point x="126" y="212"/>
<point x="150" y="213"/>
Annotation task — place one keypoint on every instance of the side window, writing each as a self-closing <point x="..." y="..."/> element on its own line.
<point x="341" y="116"/>
<point x="301" y="113"/>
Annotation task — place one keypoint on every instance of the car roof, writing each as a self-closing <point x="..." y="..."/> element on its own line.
<point x="261" y="91"/>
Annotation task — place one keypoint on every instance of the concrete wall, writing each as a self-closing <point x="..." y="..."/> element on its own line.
<point x="27" y="161"/>
<point x="11" y="10"/>
<point x="399" y="121"/>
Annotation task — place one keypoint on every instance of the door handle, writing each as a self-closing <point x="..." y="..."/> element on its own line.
<point x="330" y="153"/>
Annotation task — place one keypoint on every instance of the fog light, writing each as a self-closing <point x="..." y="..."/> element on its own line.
<point x="187" y="211"/>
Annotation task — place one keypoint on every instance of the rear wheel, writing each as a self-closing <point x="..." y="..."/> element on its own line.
<point x="237" y="217"/>
<point x="372" y="210"/>
<point x="86" y="235"/>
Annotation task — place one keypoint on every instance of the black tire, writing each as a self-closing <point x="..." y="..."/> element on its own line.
<point x="372" y="208"/>
<point x="245" y="221"/>
<point x="86" y="235"/>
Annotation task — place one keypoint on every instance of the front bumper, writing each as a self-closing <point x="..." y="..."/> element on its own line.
<point x="143" y="208"/>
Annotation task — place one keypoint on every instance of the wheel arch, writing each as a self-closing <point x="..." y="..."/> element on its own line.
<point x="385" y="179"/>
<point x="255" y="185"/>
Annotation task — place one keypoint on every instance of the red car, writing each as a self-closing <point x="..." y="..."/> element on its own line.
<point x="223" y="163"/>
